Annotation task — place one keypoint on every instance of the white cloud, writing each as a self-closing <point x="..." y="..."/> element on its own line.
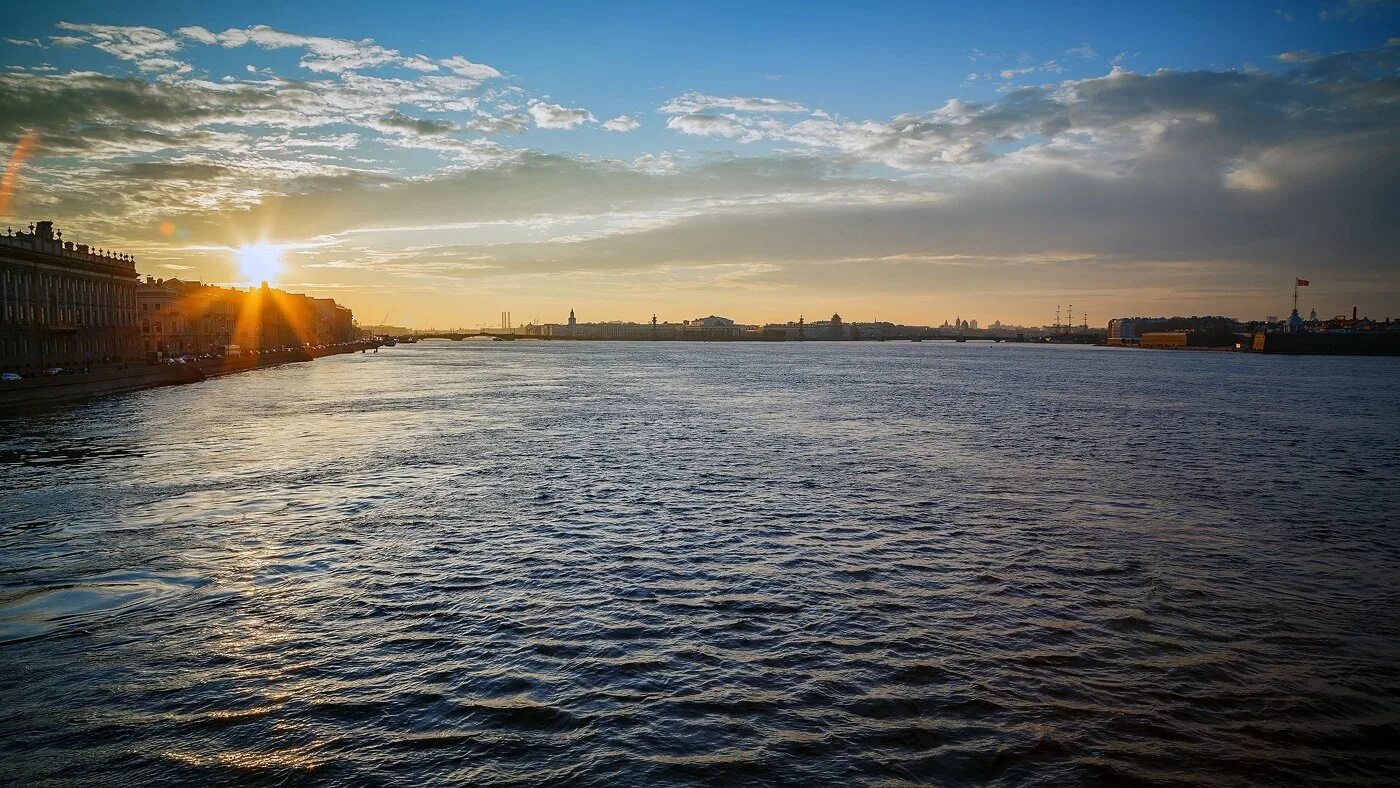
<point x="555" y="116"/>
<point x="693" y="102"/>
<point x="335" y="55"/>
<point x="157" y="64"/>
<point x="125" y="42"/>
<point x="419" y="63"/>
<point x="622" y="123"/>
<point x="1049" y="66"/>
<point x="465" y="68"/>
<point x="25" y="42"/>
<point x="197" y="33"/>
<point x="703" y="125"/>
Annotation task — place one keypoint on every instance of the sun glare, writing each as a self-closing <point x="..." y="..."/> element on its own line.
<point x="260" y="262"/>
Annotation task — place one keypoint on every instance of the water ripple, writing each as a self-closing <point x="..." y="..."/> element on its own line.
<point x="639" y="564"/>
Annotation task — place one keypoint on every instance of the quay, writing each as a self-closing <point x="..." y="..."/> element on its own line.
<point x="104" y="380"/>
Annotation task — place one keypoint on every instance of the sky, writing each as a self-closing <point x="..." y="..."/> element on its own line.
<point x="436" y="164"/>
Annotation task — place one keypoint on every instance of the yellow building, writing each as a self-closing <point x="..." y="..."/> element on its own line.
<point x="1163" y="339"/>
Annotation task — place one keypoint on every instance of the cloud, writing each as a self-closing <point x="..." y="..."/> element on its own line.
<point x="196" y="33"/>
<point x="555" y="116"/>
<point x="1104" y="119"/>
<point x="1049" y="66"/>
<point x="323" y="54"/>
<point x="25" y="42"/>
<point x="395" y="120"/>
<point x="1083" y="51"/>
<point x="465" y="68"/>
<point x="703" y="125"/>
<point x="1153" y="180"/>
<point x="691" y="103"/>
<point x="161" y="64"/>
<point x="419" y="63"/>
<point x="622" y="123"/>
<point x="513" y="123"/>
<point x="126" y="42"/>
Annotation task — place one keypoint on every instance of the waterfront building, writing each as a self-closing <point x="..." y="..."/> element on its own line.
<point x="1201" y="331"/>
<point x="163" y="327"/>
<point x="180" y="317"/>
<point x="616" y="329"/>
<point x="1163" y="339"/>
<point x="63" y="303"/>
<point x="334" y="323"/>
<point x="68" y="305"/>
<point x="711" y="327"/>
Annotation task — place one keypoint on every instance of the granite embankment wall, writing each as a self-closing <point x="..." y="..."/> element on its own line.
<point x="59" y="389"/>
<point x="37" y="392"/>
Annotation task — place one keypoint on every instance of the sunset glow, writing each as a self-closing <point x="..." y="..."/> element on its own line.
<point x="260" y="262"/>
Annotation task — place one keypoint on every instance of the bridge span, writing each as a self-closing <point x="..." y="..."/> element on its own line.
<point x="458" y="336"/>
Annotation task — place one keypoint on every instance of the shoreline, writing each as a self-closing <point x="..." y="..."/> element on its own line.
<point x="22" y="396"/>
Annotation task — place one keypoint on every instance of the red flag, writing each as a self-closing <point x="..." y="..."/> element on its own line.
<point x="1302" y="283"/>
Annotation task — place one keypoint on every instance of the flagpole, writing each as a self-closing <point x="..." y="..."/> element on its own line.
<point x="1295" y="294"/>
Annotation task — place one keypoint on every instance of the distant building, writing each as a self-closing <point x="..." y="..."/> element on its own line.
<point x="1163" y="339"/>
<point x="334" y="323"/>
<point x="64" y="304"/>
<point x="1202" y="331"/>
<point x="711" y="327"/>
<point x="610" y="330"/>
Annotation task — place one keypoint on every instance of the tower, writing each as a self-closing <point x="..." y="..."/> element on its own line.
<point x="572" y="320"/>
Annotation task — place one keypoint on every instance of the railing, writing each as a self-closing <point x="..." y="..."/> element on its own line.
<point x="67" y="249"/>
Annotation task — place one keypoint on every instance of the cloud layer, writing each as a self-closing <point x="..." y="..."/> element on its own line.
<point x="1203" y="183"/>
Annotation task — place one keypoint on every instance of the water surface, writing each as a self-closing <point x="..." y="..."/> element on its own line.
<point x="649" y="563"/>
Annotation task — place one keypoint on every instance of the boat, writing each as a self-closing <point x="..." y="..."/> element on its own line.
<point x="390" y="342"/>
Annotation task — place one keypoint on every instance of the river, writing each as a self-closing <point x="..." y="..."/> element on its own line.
<point x="652" y="563"/>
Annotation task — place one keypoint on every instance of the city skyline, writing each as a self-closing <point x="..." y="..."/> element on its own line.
<point x="1161" y="161"/>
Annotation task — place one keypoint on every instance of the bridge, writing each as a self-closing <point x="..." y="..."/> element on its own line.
<point x="458" y="336"/>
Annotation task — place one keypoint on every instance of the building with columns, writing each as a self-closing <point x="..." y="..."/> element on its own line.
<point x="64" y="304"/>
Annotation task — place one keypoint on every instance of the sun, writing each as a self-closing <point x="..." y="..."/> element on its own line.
<point x="260" y="262"/>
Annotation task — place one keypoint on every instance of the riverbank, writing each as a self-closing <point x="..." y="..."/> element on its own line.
<point x="38" y="392"/>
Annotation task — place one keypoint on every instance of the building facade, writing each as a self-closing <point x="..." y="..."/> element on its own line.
<point x="64" y="304"/>
<point x="180" y="317"/>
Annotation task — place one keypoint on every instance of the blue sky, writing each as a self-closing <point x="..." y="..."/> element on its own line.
<point x="722" y="113"/>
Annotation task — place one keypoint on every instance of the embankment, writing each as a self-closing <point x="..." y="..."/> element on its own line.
<point x="38" y="392"/>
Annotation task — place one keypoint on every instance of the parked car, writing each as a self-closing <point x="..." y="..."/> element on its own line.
<point x="8" y="376"/>
<point x="187" y="358"/>
<point x="54" y="371"/>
